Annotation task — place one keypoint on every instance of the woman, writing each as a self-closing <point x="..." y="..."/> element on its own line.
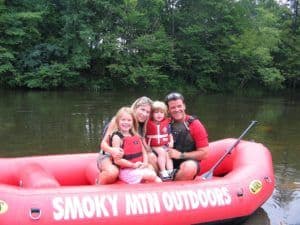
<point x="108" y="171"/>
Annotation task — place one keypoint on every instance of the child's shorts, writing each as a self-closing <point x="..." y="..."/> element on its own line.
<point x="131" y="176"/>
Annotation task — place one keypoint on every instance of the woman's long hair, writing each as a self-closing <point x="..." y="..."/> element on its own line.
<point x="142" y="101"/>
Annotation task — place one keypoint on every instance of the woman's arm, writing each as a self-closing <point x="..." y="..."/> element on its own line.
<point x="116" y="152"/>
<point x="145" y="155"/>
<point x="197" y="154"/>
<point x="171" y="141"/>
<point x="146" y="145"/>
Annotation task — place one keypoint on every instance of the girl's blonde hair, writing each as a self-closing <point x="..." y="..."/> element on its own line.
<point x="159" y="105"/>
<point x="129" y="111"/>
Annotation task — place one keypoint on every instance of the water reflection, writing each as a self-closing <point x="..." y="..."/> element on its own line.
<point x="284" y="206"/>
<point x="259" y="217"/>
<point x="36" y="123"/>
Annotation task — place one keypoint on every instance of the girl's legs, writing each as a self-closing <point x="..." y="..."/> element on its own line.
<point x="169" y="163"/>
<point x="161" y="158"/>
<point x="163" y="162"/>
<point x="108" y="171"/>
<point x="150" y="176"/>
<point x="152" y="160"/>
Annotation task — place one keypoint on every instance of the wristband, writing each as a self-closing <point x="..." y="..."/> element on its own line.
<point x="182" y="156"/>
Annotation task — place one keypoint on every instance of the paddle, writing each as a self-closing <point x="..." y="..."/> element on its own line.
<point x="209" y="173"/>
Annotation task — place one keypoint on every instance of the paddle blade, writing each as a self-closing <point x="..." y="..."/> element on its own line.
<point x="207" y="175"/>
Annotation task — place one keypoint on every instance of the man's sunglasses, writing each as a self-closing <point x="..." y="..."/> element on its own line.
<point x="173" y="96"/>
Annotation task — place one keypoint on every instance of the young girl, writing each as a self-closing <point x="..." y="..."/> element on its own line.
<point x="160" y="138"/>
<point x="134" y="163"/>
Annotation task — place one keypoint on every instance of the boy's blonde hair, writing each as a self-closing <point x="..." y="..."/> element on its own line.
<point x="159" y="105"/>
<point x="118" y="115"/>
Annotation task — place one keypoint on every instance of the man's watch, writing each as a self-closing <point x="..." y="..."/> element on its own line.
<point x="182" y="156"/>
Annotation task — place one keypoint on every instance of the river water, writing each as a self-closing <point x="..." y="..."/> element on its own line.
<point x="40" y="123"/>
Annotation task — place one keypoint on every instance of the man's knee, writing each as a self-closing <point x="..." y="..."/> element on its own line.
<point x="188" y="170"/>
<point x="190" y="166"/>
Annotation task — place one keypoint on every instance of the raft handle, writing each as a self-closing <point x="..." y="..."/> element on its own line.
<point x="268" y="179"/>
<point x="240" y="193"/>
<point x="35" y="213"/>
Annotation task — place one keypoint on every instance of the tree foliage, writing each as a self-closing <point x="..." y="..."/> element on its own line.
<point x="216" y="45"/>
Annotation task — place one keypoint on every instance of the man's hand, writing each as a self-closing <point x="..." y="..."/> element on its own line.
<point x="174" y="154"/>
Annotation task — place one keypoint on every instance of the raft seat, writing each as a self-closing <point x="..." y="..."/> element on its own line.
<point x="33" y="175"/>
<point x="92" y="173"/>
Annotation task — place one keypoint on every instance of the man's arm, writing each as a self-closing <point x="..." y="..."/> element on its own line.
<point x="197" y="154"/>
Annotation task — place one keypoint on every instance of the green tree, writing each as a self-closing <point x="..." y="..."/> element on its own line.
<point x="145" y="55"/>
<point x="287" y="56"/>
<point x="201" y="29"/>
<point x="251" y="59"/>
<point x="215" y="45"/>
<point x="18" y="31"/>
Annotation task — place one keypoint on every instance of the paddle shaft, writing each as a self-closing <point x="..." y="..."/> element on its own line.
<point x="209" y="173"/>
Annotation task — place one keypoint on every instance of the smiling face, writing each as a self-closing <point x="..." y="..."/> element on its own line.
<point x="158" y="115"/>
<point x="177" y="109"/>
<point x="142" y="113"/>
<point x="125" y="122"/>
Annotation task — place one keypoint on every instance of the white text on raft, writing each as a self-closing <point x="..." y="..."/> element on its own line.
<point x="89" y="206"/>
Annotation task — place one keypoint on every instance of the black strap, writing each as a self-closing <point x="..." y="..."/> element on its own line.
<point x="118" y="133"/>
<point x="191" y="119"/>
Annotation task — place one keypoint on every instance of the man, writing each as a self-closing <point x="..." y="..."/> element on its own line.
<point x="190" y="139"/>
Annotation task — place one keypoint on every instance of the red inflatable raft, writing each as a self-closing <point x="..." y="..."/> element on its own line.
<point x="59" y="189"/>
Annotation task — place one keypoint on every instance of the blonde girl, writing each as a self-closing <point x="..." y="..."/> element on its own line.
<point x="134" y="163"/>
